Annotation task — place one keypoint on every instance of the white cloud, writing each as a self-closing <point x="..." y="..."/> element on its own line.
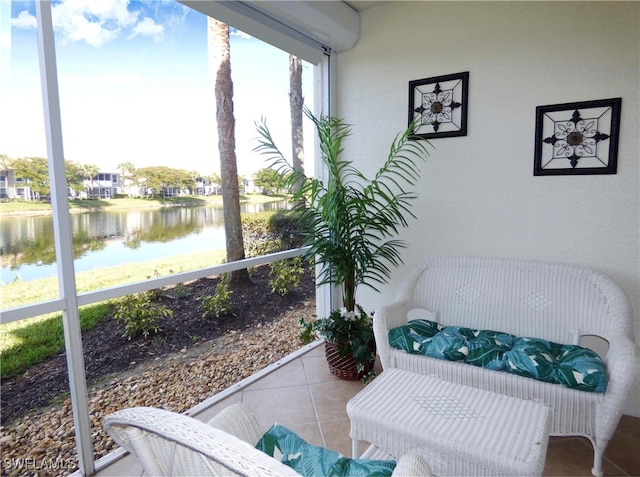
<point x="239" y="33"/>
<point x="95" y="22"/>
<point x="147" y="27"/>
<point x="24" y="20"/>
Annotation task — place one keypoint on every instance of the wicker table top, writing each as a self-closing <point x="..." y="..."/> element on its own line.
<point x="460" y="430"/>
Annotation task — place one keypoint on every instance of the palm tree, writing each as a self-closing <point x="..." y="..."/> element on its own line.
<point x="220" y="52"/>
<point x="90" y="171"/>
<point x="296" y="102"/>
<point x="128" y="171"/>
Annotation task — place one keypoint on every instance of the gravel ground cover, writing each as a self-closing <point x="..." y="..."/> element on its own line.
<point x="192" y="359"/>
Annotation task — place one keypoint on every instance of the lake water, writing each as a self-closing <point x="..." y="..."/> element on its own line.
<point x="104" y="239"/>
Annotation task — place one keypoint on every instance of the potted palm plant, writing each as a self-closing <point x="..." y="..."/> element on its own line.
<point x="350" y="223"/>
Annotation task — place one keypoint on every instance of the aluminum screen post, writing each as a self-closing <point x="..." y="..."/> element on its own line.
<point x="63" y="237"/>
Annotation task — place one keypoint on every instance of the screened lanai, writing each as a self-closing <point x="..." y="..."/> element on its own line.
<point x="478" y="195"/>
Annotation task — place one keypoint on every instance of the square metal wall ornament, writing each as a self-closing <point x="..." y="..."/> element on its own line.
<point x="439" y="105"/>
<point x="577" y="138"/>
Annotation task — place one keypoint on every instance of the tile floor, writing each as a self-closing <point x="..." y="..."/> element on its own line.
<point x="302" y="395"/>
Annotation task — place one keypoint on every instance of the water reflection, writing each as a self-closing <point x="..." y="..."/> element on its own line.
<point x="103" y="238"/>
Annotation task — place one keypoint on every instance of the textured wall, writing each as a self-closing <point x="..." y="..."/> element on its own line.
<point x="478" y="195"/>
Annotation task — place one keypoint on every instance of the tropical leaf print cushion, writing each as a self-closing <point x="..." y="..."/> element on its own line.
<point x="450" y="343"/>
<point x="580" y="368"/>
<point x="532" y="358"/>
<point x="572" y="366"/>
<point x="414" y="337"/>
<point x="487" y="348"/>
<point x="311" y="461"/>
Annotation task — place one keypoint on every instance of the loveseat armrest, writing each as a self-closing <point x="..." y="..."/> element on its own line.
<point x="622" y="372"/>
<point x="385" y="319"/>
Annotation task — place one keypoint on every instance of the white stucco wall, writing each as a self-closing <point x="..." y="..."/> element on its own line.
<point x="478" y="195"/>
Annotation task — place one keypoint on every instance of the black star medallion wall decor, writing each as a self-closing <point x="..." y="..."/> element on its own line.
<point x="439" y="105"/>
<point x="577" y="138"/>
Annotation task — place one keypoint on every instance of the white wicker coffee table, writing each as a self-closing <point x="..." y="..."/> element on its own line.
<point x="459" y="430"/>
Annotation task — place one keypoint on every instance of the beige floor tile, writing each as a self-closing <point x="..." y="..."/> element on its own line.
<point x="574" y="456"/>
<point x="330" y="398"/>
<point x="317" y="370"/>
<point x="287" y="405"/>
<point x="624" y="447"/>
<point x="310" y="432"/>
<point x="336" y="435"/>
<point x="290" y="374"/>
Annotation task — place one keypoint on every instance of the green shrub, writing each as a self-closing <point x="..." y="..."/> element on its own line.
<point x="156" y="293"/>
<point x="258" y="239"/>
<point x="285" y="224"/>
<point x="181" y="291"/>
<point x="286" y="275"/>
<point x="220" y="302"/>
<point x="140" y="314"/>
<point x="269" y="232"/>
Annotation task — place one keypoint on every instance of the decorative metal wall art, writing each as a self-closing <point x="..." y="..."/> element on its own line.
<point x="577" y="138"/>
<point x="439" y="105"/>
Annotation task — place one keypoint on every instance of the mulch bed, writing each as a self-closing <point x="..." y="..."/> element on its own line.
<point x="107" y="352"/>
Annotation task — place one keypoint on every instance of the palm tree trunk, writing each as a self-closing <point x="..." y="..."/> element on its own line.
<point x="296" y="102"/>
<point x="221" y="56"/>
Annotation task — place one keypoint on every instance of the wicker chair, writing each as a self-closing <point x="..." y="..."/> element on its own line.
<point x="172" y="444"/>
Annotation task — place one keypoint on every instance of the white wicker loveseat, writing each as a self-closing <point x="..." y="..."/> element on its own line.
<point x="552" y="301"/>
<point x="171" y="444"/>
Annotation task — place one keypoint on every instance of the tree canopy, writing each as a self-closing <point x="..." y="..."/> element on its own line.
<point x="35" y="172"/>
<point x="160" y="177"/>
<point x="270" y="180"/>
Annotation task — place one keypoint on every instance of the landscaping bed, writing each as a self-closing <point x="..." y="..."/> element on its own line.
<point x="191" y="359"/>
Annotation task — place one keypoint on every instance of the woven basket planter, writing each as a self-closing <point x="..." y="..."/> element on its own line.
<point x="345" y="367"/>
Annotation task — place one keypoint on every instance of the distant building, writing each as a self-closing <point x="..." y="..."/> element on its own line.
<point x="107" y="185"/>
<point x="205" y="186"/>
<point x="12" y="187"/>
<point x="104" y="185"/>
<point x="250" y="187"/>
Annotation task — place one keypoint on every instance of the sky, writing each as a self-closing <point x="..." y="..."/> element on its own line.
<point x="134" y="86"/>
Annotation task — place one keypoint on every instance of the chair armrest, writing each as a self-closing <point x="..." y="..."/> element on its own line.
<point x="168" y="443"/>
<point x="412" y="465"/>
<point x="240" y="421"/>
<point x="384" y="319"/>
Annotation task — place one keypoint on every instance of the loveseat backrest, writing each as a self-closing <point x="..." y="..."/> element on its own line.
<point x="553" y="301"/>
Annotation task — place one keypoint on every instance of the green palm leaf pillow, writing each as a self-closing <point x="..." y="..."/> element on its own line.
<point x="311" y="461"/>
<point x="580" y="368"/>
<point x="414" y="337"/>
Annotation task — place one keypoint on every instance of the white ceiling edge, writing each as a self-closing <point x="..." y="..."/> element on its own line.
<point x="302" y="28"/>
<point x="361" y="5"/>
<point x="333" y="23"/>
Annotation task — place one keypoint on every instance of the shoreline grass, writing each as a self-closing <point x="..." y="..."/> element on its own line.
<point x="8" y="208"/>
